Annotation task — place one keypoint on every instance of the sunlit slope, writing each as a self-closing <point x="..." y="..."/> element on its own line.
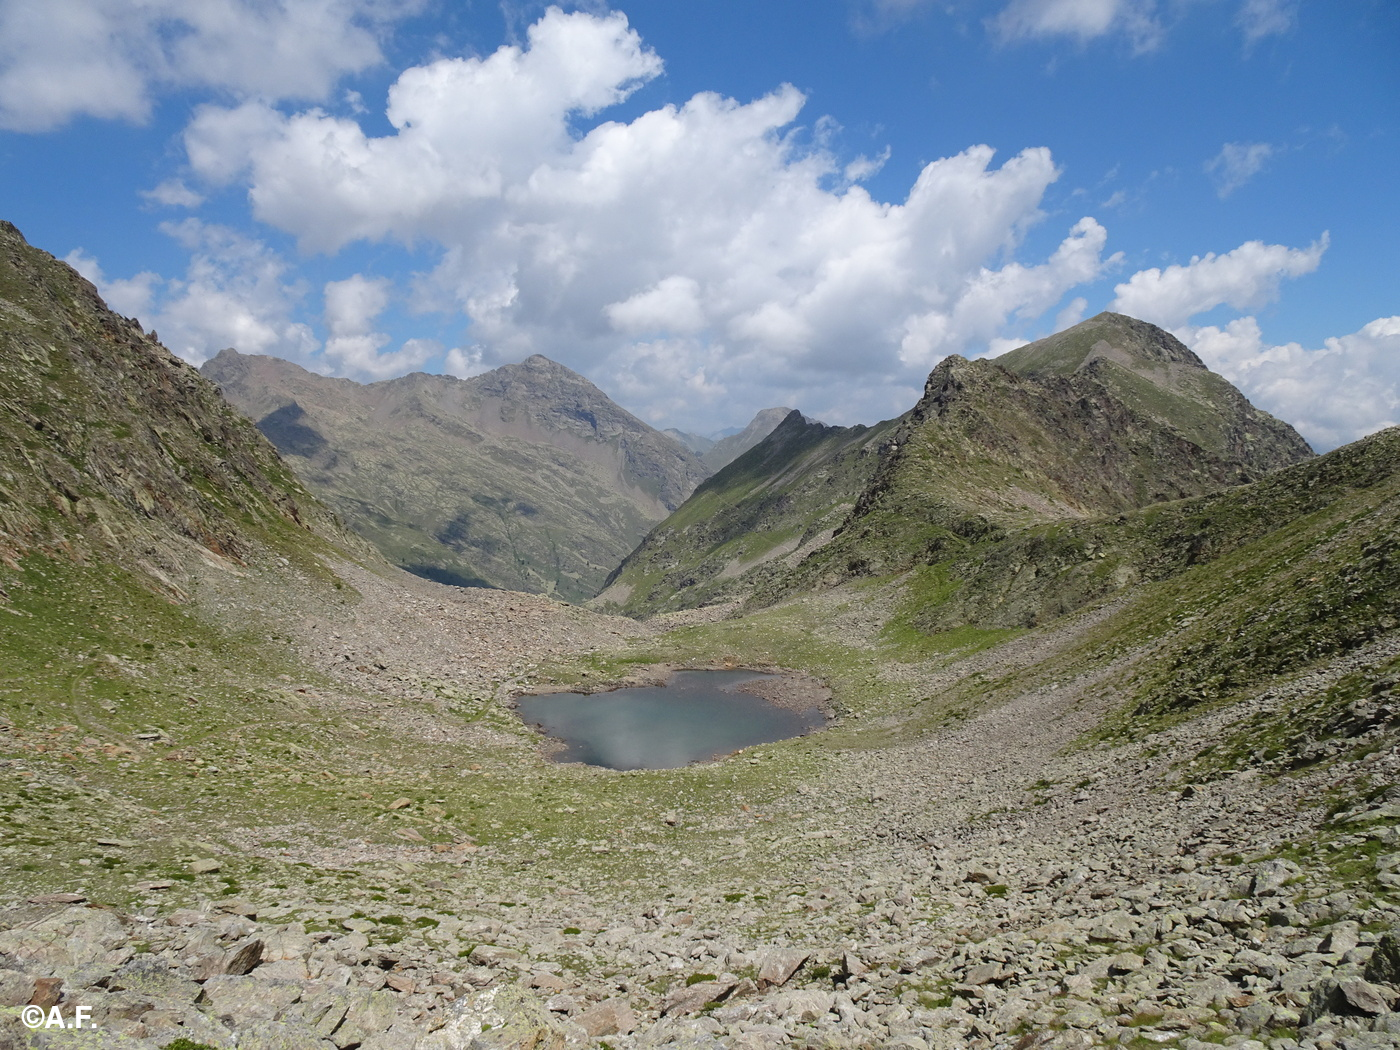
<point x="527" y="477"/>
<point x="1159" y="378"/>
<point x="1195" y="603"/>
<point x="988" y="450"/>
<point x="750" y="522"/>
<point x="1108" y="417"/>
<point x="155" y="551"/>
<point x="114" y="450"/>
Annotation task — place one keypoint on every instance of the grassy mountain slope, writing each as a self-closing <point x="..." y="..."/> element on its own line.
<point x="751" y="520"/>
<point x="114" y="450"/>
<point x="1299" y="566"/>
<point x="727" y="449"/>
<point x="526" y="477"/>
<point x="1100" y="419"/>
<point x="1159" y="378"/>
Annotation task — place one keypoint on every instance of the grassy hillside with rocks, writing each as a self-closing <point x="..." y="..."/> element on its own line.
<point x="526" y="477"/>
<point x="1158" y="377"/>
<point x="750" y="522"/>
<point x="1108" y="416"/>
<point x="288" y="804"/>
<point x="115" y="451"/>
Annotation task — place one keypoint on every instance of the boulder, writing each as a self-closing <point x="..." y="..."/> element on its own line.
<point x="76" y="936"/>
<point x="777" y="965"/>
<point x="277" y="1035"/>
<point x="1348" y="996"/>
<point x="1271" y="876"/>
<point x="1112" y="928"/>
<point x="1341" y="938"/>
<point x="249" y="999"/>
<point x="16" y="988"/>
<point x="366" y="1014"/>
<point x="610" y="1017"/>
<point x="504" y="1017"/>
<point x="803" y="1007"/>
<point x="1384" y="964"/>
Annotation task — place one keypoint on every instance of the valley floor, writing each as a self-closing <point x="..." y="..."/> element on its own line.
<point x="357" y="844"/>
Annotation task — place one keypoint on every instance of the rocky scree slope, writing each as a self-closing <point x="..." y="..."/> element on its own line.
<point x="113" y="450"/>
<point x="527" y="477"/>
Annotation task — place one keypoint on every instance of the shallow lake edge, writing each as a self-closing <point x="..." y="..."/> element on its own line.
<point x="790" y="689"/>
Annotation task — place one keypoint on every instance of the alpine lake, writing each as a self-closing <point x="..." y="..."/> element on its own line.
<point x="696" y="716"/>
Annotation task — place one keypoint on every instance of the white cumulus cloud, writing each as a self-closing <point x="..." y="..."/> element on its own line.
<point x="236" y="292"/>
<point x="671" y="305"/>
<point x="1245" y="278"/>
<point x="1348" y="388"/>
<point x="108" y="58"/>
<point x="173" y="193"/>
<point x="716" y="246"/>
<point x="354" y="347"/>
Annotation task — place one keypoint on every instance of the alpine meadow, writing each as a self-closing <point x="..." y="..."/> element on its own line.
<point x="401" y="398"/>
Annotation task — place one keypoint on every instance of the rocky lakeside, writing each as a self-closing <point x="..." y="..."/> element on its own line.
<point x="992" y="885"/>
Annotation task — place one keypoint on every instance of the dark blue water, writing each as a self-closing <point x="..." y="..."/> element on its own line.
<point x="696" y="716"/>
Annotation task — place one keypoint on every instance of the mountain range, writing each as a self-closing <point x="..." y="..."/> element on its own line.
<point x="1114" y="724"/>
<point x="526" y="477"/>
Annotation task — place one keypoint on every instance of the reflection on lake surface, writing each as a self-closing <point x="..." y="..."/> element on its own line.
<point x="697" y="715"/>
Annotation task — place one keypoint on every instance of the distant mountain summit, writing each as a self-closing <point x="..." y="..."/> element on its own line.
<point x="1160" y="378"/>
<point x="527" y="477"/>
<point x="751" y="522"/>
<point x="1111" y="415"/>
<point x="727" y="449"/>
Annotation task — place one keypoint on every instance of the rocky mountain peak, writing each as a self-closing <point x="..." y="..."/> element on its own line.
<point x="527" y="476"/>
<point x="727" y="449"/>
<point x="1136" y="345"/>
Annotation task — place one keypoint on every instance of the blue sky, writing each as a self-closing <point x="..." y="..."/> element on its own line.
<point x="712" y="207"/>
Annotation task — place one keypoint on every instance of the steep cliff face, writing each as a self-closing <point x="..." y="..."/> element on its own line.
<point x="113" y="449"/>
<point x="527" y="477"/>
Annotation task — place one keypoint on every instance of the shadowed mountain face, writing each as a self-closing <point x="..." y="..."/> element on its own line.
<point x="753" y="521"/>
<point x="526" y="477"/>
<point x="1111" y="415"/>
<point x="113" y="450"/>
<point x="727" y="449"/>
